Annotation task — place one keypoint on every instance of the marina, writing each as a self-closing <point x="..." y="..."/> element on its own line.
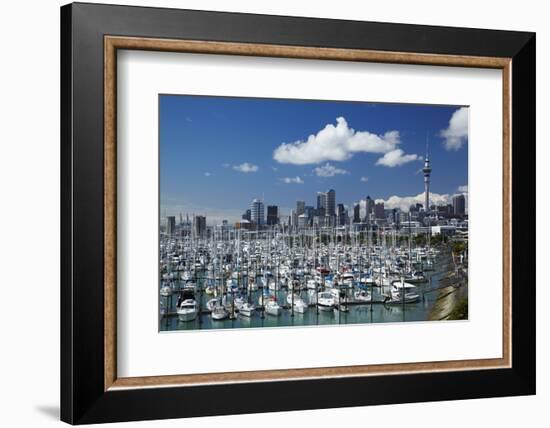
<point x="314" y="277"/>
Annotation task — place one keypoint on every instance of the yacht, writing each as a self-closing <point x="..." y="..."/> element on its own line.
<point x="187" y="307"/>
<point x="403" y="292"/>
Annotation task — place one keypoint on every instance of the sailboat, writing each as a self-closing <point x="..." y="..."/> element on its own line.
<point x="298" y="303"/>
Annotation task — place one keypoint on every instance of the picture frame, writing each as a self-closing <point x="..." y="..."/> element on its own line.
<point x="91" y="391"/>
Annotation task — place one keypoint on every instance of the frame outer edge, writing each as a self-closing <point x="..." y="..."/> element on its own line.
<point x="82" y="400"/>
<point x="66" y="152"/>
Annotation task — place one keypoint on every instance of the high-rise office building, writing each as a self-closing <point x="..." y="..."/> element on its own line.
<point x="300" y="207"/>
<point x="199" y="226"/>
<point x="459" y="205"/>
<point x="357" y="213"/>
<point x="379" y="213"/>
<point x="272" y="215"/>
<point x="321" y="203"/>
<point x="170" y="225"/>
<point x="331" y="203"/>
<point x="341" y="215"/>
<point x="369" y="207"/>
<point x="257" y="214"/>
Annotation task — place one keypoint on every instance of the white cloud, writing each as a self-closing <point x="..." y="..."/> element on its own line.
<point x="335" y="143"/>
<point x="463" y="189"/>
<point x="293" y="180"/>
<point x="207" y="174"/>
<point x="328" y="170"/>
<point x="404" y="202"/>
<point x="396" y="157"/>
<point x="364" y="179"/>
<point x="246" y="167"/>
<point x="457" y="132"/>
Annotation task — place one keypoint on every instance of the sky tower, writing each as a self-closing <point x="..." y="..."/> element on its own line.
<point x="427" y="170"/>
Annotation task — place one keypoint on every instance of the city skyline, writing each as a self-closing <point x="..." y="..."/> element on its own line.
<point x="233" y="150"/>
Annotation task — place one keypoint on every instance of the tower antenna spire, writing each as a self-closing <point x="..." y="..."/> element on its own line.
<point x="427" y="170"/>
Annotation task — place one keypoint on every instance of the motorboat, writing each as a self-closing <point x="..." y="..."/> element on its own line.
<point x="187" y="310"/>
<point x="403" y="292"/>
<point x="326" y="301"/>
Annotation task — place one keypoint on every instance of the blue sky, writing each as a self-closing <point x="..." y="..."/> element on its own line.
<point x="218" y="153"/>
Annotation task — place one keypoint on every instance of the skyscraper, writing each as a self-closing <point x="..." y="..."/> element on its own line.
<point x="459" y="205"/>
<point x="199" y="226"/>
<point x="331" y="203"/>
<point x="170" y="225"/>
<point x="321" y="203"/>
<point x="427" y="170"/>
<point x="341" y="215"/>
<point x="257" y="214"/>
<point x="369" y="206"/>
<point x="300" y="207"/>
<point x="272" y="215"/>
<point x="356" y="213"/>
<point x="379" y="213"/>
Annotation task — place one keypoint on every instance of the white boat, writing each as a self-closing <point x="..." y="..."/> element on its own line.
<point x="325" y="301"/>
<point x="247" y="309"/>
<point x="298" y="303"/>
<point x="166" y="291"/>
<point x="187" y="310"/>
<point x="362" y="296"/>
<point x="273" y="308"/>
<point x="403" y="292"/>
<point x="219" y="313"/>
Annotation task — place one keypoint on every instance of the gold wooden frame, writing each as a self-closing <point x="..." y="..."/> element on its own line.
<point x="113" y="43"/>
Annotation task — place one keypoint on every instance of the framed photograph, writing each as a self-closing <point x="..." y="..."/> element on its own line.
<point x="291" y="213"/>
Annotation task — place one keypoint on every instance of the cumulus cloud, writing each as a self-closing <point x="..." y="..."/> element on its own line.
<point x="396" y="157"/>
<point x="246" y="167"/>
<point x="463" y="189"/>
<point x="328" y="170"/>
<point x="293" y="180"/>
<point x="404" y="202"/>
<point x="364" y="179"/>
<point x="335" y="143"/>
<point x="456" y="133"/>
